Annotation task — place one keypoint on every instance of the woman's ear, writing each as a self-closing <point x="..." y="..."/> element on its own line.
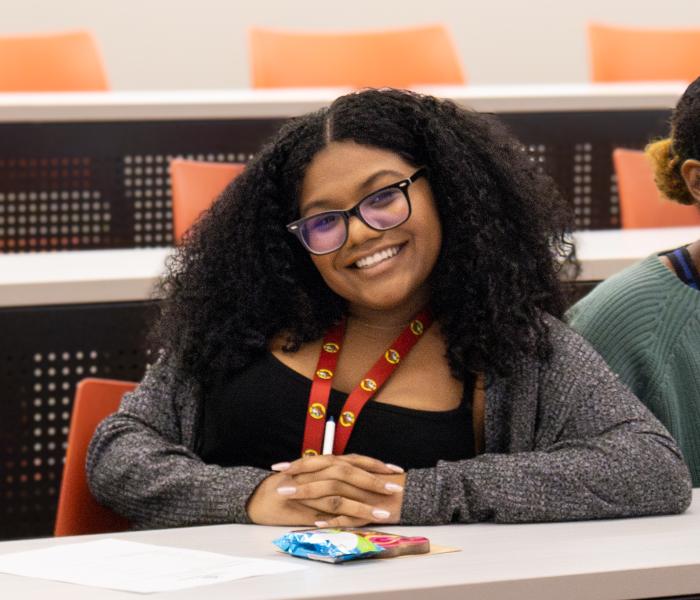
<point x="690" y="170"/>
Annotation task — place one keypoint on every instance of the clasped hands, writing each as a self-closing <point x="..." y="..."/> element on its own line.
<point x="329" y="491"/>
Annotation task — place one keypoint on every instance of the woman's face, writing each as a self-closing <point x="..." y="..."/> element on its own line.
<point x="394" y="265"/>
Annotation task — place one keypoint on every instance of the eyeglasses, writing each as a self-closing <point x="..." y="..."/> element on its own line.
<point x="383" y="209"/>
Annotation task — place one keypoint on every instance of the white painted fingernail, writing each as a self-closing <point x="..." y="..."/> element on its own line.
<point x="393" y="487"/>
<point x="283" y="466"/>
<point x="394" y="468"/>
<point x="321" y="523"/>
<point x="286" y="490"/>
<point x="378" y="513"/>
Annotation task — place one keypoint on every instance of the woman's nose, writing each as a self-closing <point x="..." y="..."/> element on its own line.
<point x="358" y="232"/>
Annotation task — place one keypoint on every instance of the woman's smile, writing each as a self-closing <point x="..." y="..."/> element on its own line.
<point x="383" y="256"/>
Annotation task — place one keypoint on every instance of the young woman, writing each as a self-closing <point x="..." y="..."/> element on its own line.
<point x="645" y="321"/>
<point x="391" y="262"/>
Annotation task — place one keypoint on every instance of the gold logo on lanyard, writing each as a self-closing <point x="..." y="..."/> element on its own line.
<point x="369" y="385"/>
<point x="324" y="373"/>
<point x="347" y="418"/>
<point x="417" y="327"/>
<point x="317" y="410"/>
<point x="392" y="356"/>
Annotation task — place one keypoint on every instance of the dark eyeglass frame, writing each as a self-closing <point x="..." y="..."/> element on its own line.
<point x="295" y="227"/>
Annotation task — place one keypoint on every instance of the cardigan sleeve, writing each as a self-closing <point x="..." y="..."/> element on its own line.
<point x="568" y="442"/>
<point x="141" y="464"/>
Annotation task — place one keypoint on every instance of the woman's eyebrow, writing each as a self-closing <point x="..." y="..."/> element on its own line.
<point x="364" y="187"/>
<point x="369" y="182"/>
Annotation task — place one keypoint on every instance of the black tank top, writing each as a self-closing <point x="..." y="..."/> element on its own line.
<point x="257" y="416"/>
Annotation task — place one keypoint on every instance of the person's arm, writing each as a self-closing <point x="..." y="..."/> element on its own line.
<point x="141" y="464"/>
<point x="594" y="452"/>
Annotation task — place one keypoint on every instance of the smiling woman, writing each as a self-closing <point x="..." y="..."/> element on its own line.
<point x="392" y="262"/>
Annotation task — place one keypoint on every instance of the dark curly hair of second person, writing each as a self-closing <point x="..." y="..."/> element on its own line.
<point x="241" y="278"/>
<point x="684" y="142"/>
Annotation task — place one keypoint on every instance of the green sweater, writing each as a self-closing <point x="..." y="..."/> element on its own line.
<point x="646" y="324"/>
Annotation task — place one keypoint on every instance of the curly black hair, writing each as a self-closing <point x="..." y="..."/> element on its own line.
<point x="685" y="123"/>
<point x="668" y="155"/>
<point x="241" y="279"/>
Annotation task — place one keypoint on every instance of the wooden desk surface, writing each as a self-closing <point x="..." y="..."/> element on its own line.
<point x="611" y="559"/>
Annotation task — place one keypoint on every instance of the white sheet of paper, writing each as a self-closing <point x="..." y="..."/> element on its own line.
<point x="136" y="567"/>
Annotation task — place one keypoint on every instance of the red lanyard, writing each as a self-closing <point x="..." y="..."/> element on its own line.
<point x="368" y="386"/>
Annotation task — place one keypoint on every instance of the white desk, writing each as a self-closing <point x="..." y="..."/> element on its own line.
<point x="87" y="276"/>
<point x="245" y="103"/>
<point x="613" y="559"/>
<point x="605" y="252"/>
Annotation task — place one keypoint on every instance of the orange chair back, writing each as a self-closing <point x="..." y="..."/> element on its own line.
<point x="399" y="58"/>
<point x="78" y="511"/>
<point x="195" y="186"/>
<point x="641" y="203"/>
<point x="64" y="62"/>
<point x="628" y="54"/>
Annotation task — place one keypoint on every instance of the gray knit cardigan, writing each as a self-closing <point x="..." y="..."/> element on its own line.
<point x="563" y="440"/>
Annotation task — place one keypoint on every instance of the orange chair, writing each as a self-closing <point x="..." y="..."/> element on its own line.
<point x="62" y="62"/>
<point x="398" y="58"/>
<point x="78" y="512"/>
<point x="641" y="203"/>
<point x="195" y="186"/>
<point x="629" y="54"/>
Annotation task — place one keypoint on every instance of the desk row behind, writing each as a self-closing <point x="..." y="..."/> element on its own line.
<point x="129" y="275"/>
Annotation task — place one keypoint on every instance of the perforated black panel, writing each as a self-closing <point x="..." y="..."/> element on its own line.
<point x="67" y="186"/>
<point x="575" y="148"/>
<point x="51" y="203"/>
<point x="46" y="351"/>
<point x="105" y="185"/>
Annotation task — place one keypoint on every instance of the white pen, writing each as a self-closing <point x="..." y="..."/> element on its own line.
<point x="328" y="436"/>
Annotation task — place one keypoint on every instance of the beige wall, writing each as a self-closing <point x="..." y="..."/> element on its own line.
<point x="162" y="44"/>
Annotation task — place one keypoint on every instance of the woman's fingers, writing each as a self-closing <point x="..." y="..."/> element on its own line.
<point x="340" y="479"/>
<point x="342" y="521"/>
<point x="349" y="474"/>
<point x="345" y="507"/>
<point x="336" y="498"/>
<point x="370" y="464"/>
<point x="328" y="487"/>
<point x="316" y="463"/>
<point x="335" y="469"/>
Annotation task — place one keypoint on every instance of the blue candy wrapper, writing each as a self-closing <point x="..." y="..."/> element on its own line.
<point x="327" y="545"/>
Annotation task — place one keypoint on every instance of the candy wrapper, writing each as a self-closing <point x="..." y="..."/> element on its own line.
<point x="327" y="545"/>
<point x="336" y="545"/>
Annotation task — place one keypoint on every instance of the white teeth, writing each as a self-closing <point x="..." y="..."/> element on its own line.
<point x="377" y="257"/>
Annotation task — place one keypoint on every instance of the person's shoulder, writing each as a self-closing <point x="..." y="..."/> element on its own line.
<point x="165" y="380"/>
<point x="625" y="299"/>
<point x="568" y="345"/>
<point x="571" y="362"/>
<point x="645" y="277"/>
<point x="569" y="351"/>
